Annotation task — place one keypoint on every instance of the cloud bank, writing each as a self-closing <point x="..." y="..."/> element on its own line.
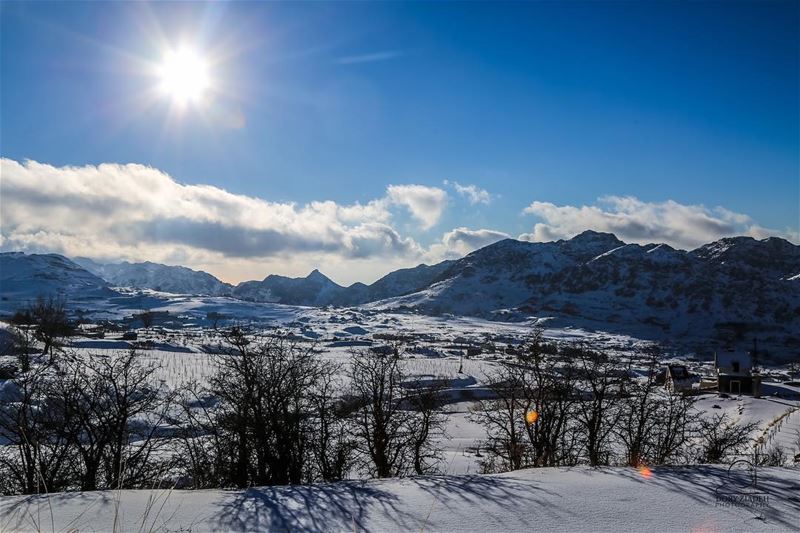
<point x="112" y="212"/>
<point x="632" y="220"/>
<point x="136" y="212"/>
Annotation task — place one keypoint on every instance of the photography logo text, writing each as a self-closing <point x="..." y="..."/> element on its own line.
<point x="740" y="487"/>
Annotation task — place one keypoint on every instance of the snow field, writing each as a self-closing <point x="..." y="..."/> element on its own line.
<point x="546" y="499"/>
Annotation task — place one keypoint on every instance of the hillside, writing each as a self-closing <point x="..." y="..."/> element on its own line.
<point x="729" y="287"/>
<point x="24" y="277"/>
<point x="737" y="284"/>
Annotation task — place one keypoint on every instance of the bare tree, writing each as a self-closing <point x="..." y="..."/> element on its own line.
<point x="425" y="399"/>
<point x="720" y="437"/>
<point x="551" y="395"/>
<point x="146" y="317"/>
<point x="394" y="429"/>
<point x="23" y="331"/>
<point x="234" y="383"/>
<point x="136" y="408"/>
<point x="529" y="422"/>
<point x="332" y="443"/>
<point x="215" y="317"/>
<point x="51" y="323"/>
<point x="638" y="418"/>
<point x="264" y="391"/>
<point x="654" y="425"/>
<point x="203" y="444"/>
<point x="381" y="426"/>
<point x="597" y="413"/>
<point x="112" y="409"/>
<point x="673" y="429"/>
<point x="504" y="418"/>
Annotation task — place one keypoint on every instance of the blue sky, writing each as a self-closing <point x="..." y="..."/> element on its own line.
<point x="547" y="107"/>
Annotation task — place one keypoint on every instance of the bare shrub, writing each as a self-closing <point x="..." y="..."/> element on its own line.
<point x="38" y="456"/>
<point x="773" y="456"/>
<point x="112" y="408"/>
<point x="720" y="438"/>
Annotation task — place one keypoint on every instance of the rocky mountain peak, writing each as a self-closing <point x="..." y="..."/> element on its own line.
<point x="317" y="276"/>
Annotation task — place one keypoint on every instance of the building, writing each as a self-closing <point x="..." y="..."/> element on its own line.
<point x="678" y="379"/>
<point x="92" y="330"/>
<point x="735" y="373"/>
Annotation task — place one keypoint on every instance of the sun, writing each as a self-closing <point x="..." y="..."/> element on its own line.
<point x="184" y="76"/>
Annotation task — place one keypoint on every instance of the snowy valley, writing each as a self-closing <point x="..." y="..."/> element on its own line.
<point x="735" y="289"/>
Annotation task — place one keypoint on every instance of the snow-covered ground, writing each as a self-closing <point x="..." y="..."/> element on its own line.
<point x="665" y="499"/>
<point x="182" y="343"/>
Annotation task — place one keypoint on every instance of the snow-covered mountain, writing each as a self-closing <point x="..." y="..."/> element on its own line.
<point x="147" y="275"/>
<point x="403" y="281"/>
<point x="772" y="257"/>
<point x="24" y="277"/>
<point x="318" y="290"/>
<point x="726" y="287"/>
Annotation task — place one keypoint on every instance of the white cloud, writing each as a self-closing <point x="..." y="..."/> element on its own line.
<point x="632" y="220"/>
<point x="136" y="212"/>
<point x="426" y="204"/>
<point x="473" y="193"/>
<point x="461" y="241"/>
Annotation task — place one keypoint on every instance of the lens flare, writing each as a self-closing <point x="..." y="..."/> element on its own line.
<point x="531" y="417"/>
<point x="645" y="471"/>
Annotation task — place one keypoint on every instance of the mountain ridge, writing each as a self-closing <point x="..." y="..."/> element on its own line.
<point x="739" y="284"/>
<point x="25" y="277"/>
<point x="156" y="276"/>
<point x="593" y="278"/>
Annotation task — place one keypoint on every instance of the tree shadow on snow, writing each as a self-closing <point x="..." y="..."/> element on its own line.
<point x="349" y="505"/>
<point x="326" y="507"/>
<point x="39" y="511"/>
<point x="499" y="497"/>
<point x="706" y="483"/>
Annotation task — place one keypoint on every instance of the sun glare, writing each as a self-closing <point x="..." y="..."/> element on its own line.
<point x="184" y="76"/>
